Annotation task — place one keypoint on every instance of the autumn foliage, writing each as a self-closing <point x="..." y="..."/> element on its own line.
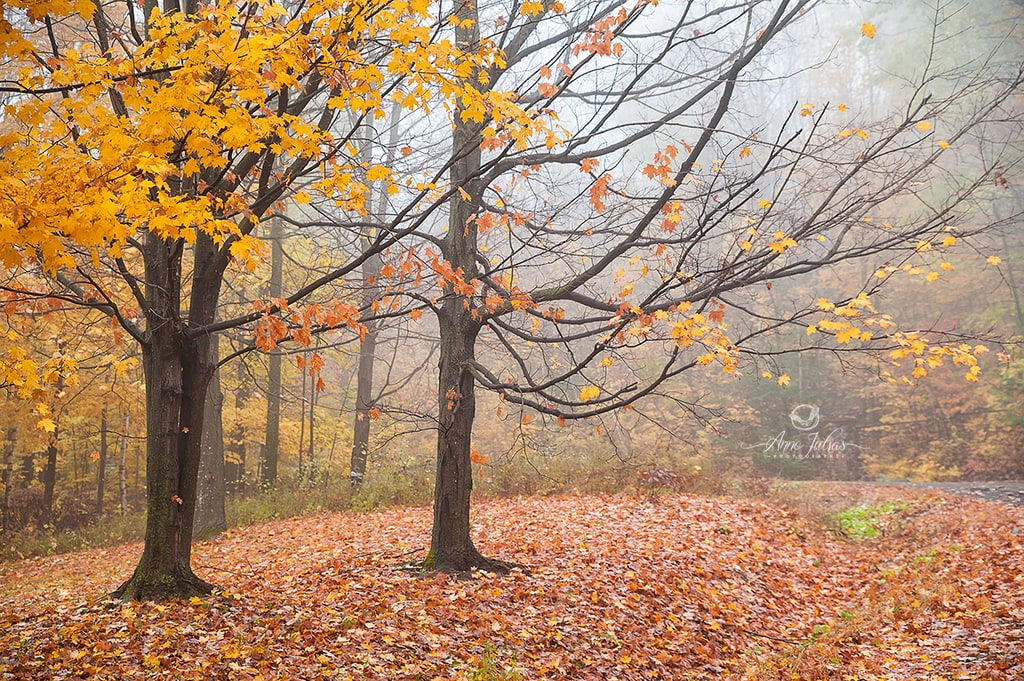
<point x="624" y="587"/>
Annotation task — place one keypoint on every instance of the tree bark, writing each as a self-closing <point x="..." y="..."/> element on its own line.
<point x="177" y="370"/>
<point x="8" y="478"/>
<point x="49" y="482"/>
<point x="268" y="474"/>
<point x="364" y="402"/>
<point x="122" y="468"/>
<point x="101" y="474"/>
<point x="211" y="518"/>
<point x="451" y="546"/>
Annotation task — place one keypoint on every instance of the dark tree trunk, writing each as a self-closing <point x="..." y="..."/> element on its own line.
<point x="211" y="518"/>
<point x="177" y="371"/>
<point x="268" y="474"/>
<point x="451" y="547"/>
<point x="101" y="474"/>
<point x="49" y="482"/>
<point x="165" y="569"/>
<point x="8" y="478"/>
<point x="364" y="402"/>
<point x="122" y="468"/>
<point x="370" y="272"/>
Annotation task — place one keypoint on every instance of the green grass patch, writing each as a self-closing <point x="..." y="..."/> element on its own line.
<point x="868" y="521"/>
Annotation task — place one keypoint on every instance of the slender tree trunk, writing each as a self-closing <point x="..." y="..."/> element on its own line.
<point x="49" y="481"/>
<point x="8" y="478"/>
<point x="312" y="414"/>
<point x="364" y="402"/>
<point x="101" y="474"/>
<point x="273" y="435"/>
<point x="122" y="468"/>
<point x="370" y="272"/>
<point x="451" y="547"/>
<point x="211" y="518"/>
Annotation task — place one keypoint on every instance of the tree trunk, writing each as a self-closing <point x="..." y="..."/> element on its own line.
<point x="49" y="482"/>
<point x="8" y="477"/>
<point x="268" y="474"/>
<point x="312" y="416"/>
<point x="101" y="474"/>
<point x="211" y="518"/>
<point x="177" y="371"/>
<point x="122" y="468"/>
<point x="451" y="547"/>
<point x="370" y="272"/>
<point x="364" y="402"/>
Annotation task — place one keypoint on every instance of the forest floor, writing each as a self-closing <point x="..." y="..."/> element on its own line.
<point x="619" y="587"/>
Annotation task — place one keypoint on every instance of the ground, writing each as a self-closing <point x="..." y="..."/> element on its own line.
<point x="620" y="587"/>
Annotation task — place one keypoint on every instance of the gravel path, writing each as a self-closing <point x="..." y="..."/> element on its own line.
<point x="1008" y="492"/>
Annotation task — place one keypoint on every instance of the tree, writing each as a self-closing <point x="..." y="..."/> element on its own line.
<point x="141" y="162"/>
<point x="571" y="299"/>
<point x="272" y="441"/>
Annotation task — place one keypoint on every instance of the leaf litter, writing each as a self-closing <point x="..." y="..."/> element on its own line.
<point x="619" y="587"/>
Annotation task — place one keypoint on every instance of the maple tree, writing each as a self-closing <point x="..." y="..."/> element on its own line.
<point x="140" y="162"/>
<point x="585" y="273"/>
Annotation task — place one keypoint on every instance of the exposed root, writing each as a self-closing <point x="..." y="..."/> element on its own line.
<point x="145" y="586"/>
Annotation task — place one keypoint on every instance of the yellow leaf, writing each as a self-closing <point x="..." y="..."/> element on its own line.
<point x="868" y="30"/>
<point x="783" y="380"/>
<point x="931" y="276"/>
<point x="811" y="330"/>
<point x="993" y="260"/>
<point x="764" y="204"/>
<point x="943" y="144"/>
<point x="924" y="126"/>
<point x="744" y="152"/>
<point x="46" y="424"/>
<point x="589" y="393"/>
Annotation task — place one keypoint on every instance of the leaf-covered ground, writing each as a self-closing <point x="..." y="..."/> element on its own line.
<point x="681" y="587"/>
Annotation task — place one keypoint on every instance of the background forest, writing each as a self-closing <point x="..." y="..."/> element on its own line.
<point x="347" y="422"/>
